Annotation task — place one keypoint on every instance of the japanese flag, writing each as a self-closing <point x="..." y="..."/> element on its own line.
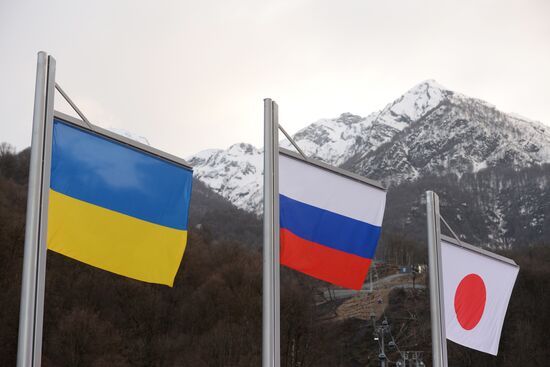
<point x="476" y="287"/>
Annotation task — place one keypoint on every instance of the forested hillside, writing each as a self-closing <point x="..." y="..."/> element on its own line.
<point x="497" y="207"/>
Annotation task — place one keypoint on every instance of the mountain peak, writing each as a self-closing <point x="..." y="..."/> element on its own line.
<point x="430" y="84"/>
<point x="418" y="100"/>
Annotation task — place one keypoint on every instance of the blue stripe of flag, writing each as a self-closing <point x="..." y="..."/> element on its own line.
<point x="327" y="228"/>
<point x="112" y="175"/>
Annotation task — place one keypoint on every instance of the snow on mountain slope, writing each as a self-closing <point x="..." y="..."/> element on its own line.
<point x="460" y="135"/>
<point x="235" y="173"/>
<point x="428" y="130"/>
<point x="334" y="141"/>
<point x="413" y="104"/>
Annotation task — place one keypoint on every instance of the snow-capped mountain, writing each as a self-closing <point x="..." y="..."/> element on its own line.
<point x="458" y="135"/>
<point x="428" y="130"/>
<point x="335" y="141"/>
<point x="235" y="173"/>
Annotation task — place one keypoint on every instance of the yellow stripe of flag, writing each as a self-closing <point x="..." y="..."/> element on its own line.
<point x="113" y="241"/>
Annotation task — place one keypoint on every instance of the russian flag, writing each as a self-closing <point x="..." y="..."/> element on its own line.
<point x="330" y="221"/>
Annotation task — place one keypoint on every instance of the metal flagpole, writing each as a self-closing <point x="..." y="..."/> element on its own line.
<point x="34" y="261"/>
<point x="42" y="242"/>
<point x="276" y="243"/>
<point x="439" y="340"/>
<point x="271" y="283"/>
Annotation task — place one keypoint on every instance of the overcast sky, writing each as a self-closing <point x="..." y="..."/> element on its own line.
<point x="191" y="75"/>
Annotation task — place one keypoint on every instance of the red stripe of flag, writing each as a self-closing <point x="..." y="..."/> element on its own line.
<point x="321" y="262"/>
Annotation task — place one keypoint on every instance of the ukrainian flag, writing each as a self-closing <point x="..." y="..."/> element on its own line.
<point x="116" y="207"/>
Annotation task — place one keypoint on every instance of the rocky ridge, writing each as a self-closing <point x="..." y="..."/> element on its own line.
<point x="429" y="130"/>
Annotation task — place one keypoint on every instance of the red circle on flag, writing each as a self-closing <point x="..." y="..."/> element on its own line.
<point x="470" y="298"/>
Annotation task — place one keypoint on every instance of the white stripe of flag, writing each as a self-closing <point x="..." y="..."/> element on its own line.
<point x="326" y="190"/>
